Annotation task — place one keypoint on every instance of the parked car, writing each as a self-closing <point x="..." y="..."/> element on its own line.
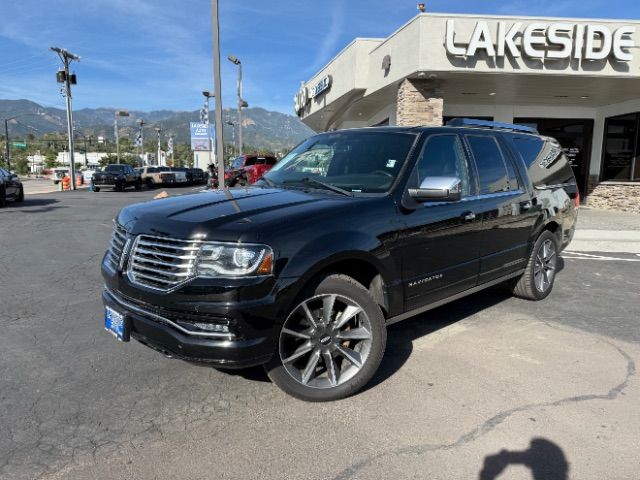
<point x="304" y="271"/>
<point x="247" y="169"/>
<point x="10" y="187"/>
<point x="181" y="173"/>
<point x="157" y="176"/>
<point x="197" y="176"/>
<point x="58" y="174"/>
<point x="87" y="174"/>
<point x="118" y="176"/>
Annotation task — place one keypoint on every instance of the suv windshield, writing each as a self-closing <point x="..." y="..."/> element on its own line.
<point x="355" y="161"/>
<point x="114" y="168"/>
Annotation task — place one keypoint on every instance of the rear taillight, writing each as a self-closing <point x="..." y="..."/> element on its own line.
<point x="577" y="199"/>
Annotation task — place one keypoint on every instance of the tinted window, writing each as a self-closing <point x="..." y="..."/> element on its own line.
<point x="490" y="163"/>
<point x="528" y="147"/>
<point x="114" y="168"/>
<point x="354" y="160"/>
<point x="271" y="161"/>
<point x="443" y="156"/>
<point x="250" y="161"/>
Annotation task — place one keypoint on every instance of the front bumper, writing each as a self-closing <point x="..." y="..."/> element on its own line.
<point x="166" y="335"/>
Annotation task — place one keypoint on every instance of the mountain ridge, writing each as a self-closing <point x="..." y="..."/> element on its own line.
<point x="261" y="128"/>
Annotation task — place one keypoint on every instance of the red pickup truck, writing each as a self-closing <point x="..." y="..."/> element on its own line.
<point x="253" y="166"/>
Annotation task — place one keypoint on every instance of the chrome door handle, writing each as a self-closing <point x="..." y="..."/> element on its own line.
<point x="468" y="216"/>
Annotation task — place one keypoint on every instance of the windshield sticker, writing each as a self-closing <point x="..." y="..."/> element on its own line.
<point x="391" y="163"/>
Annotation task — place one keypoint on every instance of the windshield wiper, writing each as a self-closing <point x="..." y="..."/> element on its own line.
<point x="267" y="181"/>
<point x="327" y="186"/>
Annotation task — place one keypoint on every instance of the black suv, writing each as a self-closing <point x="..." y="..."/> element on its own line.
<point x="353" y="230"/>
<point x="118" y="176"/>
<point x="10" y="187"/>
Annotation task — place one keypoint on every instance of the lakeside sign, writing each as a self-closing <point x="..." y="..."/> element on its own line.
<point x="544" y="40"/>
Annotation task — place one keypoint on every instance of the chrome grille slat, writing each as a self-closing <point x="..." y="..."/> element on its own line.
<point x="155" y="261"/>
<point x="116" y="244"/>
<point x="140" y="250"/>
<point x="167" y="273"/>
<point x="162" y="263"/>
<point x="167" y="246"/>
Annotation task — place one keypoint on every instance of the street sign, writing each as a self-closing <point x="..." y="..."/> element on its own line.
<point x="19" y="145"/>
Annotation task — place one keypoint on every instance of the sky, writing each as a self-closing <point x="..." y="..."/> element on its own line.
<point x="156" y="54"/>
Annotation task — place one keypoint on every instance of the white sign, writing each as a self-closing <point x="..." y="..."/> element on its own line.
<point x="545" y="40"/>
<point x="301" y="99"/>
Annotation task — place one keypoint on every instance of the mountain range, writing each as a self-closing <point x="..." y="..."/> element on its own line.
<point x="261" y="128"/>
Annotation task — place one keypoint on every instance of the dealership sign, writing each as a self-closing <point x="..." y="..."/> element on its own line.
<point x="544" y="40"/>
<point x="201" y="133"/>
<point x="304" y="95"/>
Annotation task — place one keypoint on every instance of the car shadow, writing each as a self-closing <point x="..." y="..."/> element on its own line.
<point x="400" y="336"/>
<point x="44" y="204"/>
<point x="544" y="458"/>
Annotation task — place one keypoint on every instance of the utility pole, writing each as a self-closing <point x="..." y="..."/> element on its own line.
<point x="217" y="90"/>
<point x="68" y="79"/>
<point x="158" y="130"/>
<point x="233" y="134"/>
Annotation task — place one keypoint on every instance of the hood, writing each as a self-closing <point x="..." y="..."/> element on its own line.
<point x="224" y="216"/>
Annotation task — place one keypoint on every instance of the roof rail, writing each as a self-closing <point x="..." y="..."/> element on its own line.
<point x="470" y="122"/>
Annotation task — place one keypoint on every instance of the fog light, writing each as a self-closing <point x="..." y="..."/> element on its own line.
<point x="212" y="327"/>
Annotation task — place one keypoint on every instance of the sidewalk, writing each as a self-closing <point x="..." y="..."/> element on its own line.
<point x="35" y="186"/>
<point x="606" y="231"/>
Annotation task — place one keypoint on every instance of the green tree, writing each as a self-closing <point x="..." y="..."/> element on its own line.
<point x="22" y="166"/>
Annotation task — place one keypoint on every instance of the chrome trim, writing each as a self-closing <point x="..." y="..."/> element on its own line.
<point x="141" y="311"/>
<point x="186" y="263"/>
<point x="457" y="296"/>
<point x="553" y="187"/>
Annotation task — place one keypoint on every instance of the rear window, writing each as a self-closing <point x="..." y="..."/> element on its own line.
<point x="490" y="163"/>
<point x="528" y="147"/>
<point x="114" y="168"/>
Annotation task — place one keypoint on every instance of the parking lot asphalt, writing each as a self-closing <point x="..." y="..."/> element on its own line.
<point x="486" y="387"/>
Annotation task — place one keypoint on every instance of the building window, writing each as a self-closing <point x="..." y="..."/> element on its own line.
<point x="620" y="157"/>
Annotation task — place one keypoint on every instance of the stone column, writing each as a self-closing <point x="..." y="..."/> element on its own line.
<point x="419" y="102"/>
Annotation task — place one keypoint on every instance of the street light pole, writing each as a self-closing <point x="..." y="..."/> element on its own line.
<point x="207" y="96"/>
<point x="119" y="113"/>
<point x="68" y="57"/>
<point x="141" y="123"/>
<point x="217" y="90"/>
<point x="241" y="102"/>
<point x="233" y="133"/>
<point x="158" y="130"/>
<point x="6" y="144"/>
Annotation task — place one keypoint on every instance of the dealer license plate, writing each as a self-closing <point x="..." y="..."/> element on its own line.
<point x="116" y="324"/>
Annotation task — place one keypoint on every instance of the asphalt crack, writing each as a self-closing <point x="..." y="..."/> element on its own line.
<point x="496" y="420"/>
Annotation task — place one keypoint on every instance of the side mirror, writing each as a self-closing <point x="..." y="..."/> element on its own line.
<point x="438" y="189"/>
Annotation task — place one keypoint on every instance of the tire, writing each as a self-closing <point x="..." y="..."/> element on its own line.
<point x="20" y="197"/>
<point x="150" y="184"/>
<point x="3" y="197"/>
<point x="119" y="187"/>
<point x="537" y="280"/>
<point x="138" y="185"/>
<point x="300" y="366"/>
<point x="96" y="189"/>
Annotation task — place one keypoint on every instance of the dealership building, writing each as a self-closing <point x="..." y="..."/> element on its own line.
<point x="577" y="80"/>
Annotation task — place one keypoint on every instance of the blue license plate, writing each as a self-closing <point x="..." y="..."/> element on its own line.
<point x="116" y="324"/>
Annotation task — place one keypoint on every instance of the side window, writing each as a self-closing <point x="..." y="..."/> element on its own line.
<point x="443" y="156"/>
<point x="271" y="161"/>
<point x="250" y="162"/>
<point x="490" y="163"/>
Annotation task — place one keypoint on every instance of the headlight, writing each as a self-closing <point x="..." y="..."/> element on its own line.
<point x="234" y="260"/>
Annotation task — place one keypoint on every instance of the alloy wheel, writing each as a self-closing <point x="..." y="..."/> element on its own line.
<point x="545" y="266"/>
<point x="325" y="341"/>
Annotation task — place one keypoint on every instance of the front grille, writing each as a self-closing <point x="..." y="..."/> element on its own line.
<point x="118" y="240"/>
<point x="162" y="263"/>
